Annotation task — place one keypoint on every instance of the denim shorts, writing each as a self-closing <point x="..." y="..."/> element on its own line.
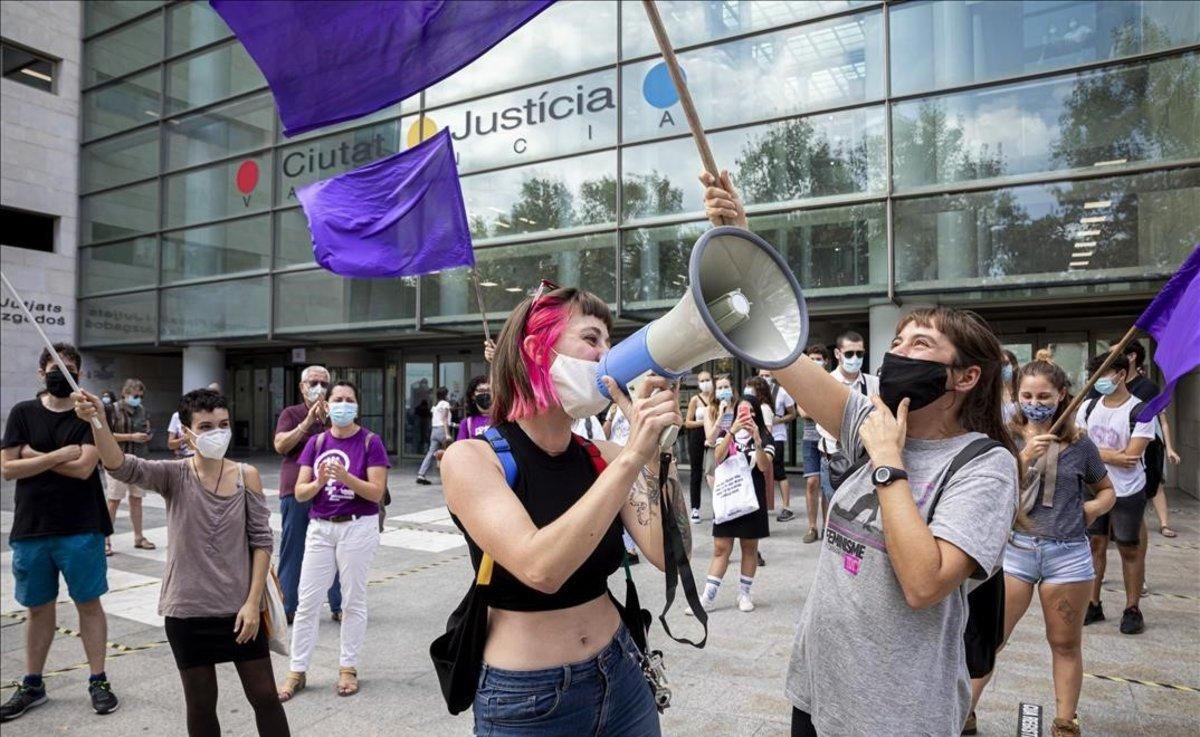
<point x="37" y="561"/>
<point x="812" y="458"/>
<point x="604" y="695"/>
<point x="1045" y="560"/>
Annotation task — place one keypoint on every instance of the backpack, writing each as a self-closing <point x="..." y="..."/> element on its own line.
<point x="840" y="465"/>
<point x="387" y="495"/>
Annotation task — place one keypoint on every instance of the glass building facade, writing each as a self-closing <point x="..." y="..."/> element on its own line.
<point x="997" y="154"/>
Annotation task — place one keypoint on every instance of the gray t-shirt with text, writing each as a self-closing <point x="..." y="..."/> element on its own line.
<point x="864" y="662"/>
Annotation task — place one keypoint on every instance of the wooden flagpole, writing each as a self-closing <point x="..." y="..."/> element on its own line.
<point x="487" y="333"/>
<point x="685" y="96"/>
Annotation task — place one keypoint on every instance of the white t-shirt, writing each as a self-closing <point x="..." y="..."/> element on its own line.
<point x="783" y="402"/>
<point x="589" y="427"/>
<point x="1108" y="428"/>
<point x="441" y="414"/>
<point x="828" y="443"/>
<point x="620" y="427"/>
<point x="175" y="430"/>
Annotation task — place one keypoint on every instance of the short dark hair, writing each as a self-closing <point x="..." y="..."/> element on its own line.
<point x="350" y="384"/>
<point x="66" y="350"/>
<point x="442" y="393"/>
<point x="1139" y="353"/>
<point x="819" y="349"/>
<point x="1119" y="363"/>
<point x="849" y="336"/>
<point x="200" y="400"/>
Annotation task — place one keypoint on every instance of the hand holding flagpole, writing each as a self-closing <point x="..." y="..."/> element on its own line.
<point x="49" y="346"/>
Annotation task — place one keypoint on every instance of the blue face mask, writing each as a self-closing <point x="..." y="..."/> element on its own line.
<point x="1038" y="413"/>
<point x="1007" y="372"/>
<point x="1106" y="386"/>
<point x="133" y="401"/>
<point x="853" y="364"/>
<point x="342" y="413"/>
<point x="725" y="394"/>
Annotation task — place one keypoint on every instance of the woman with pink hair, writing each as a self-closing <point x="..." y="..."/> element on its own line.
<point x="557" y="659"/>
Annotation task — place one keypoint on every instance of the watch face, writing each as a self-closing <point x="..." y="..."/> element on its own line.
<point x="882" y="475"/>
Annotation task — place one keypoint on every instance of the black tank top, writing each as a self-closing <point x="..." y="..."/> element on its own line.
<point x="547" y="486"/>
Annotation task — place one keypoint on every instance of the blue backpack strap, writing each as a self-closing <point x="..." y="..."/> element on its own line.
<point x="504" y="452"/>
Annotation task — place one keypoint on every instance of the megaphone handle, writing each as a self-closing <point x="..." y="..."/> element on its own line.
<point x="666" y="440"/>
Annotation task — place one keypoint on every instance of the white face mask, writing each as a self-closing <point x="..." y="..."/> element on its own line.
<point x="213" y="444"/>
<point x="575" y="381"/>
<point x="314" y="393"/>
<point x="742" y="437"/>
<point x="706" y="386"/>
<point x="750" y="392"/>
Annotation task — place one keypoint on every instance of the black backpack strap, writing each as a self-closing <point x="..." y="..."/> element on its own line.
<point x="1133" y="417"/>
<point x="1091" y="405"/>
<point x="973" y="450"/>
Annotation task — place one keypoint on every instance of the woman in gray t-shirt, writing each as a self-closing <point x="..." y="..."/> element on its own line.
<point x="1065" y="488"/>
<point x="879" y="647"/>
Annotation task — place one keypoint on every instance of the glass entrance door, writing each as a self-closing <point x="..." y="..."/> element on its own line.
<point x="417" y="386"/>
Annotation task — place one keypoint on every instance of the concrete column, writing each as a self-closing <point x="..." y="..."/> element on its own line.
<point x="202" y="365"/>
<point x="882" y="328"/>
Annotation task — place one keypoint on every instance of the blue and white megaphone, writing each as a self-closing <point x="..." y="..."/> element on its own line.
<point x="742" y="300"/>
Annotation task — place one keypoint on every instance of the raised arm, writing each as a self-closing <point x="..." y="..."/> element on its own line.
<point x="153" y="475"/>
<point x="287" y="438"/>
<point x="544" y="558"/>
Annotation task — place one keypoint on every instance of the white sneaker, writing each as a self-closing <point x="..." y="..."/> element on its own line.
<point x="707" y="604"/>
<point x="695" y="516"/>
<point x="744" y="603"/>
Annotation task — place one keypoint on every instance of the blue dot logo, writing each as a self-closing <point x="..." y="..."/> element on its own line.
<point x="657" y="87"/>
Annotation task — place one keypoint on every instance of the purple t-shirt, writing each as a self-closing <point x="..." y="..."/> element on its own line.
<point x="473" y="427"/>
<point x="289" y="419"/>
<point x="353" y="453"/>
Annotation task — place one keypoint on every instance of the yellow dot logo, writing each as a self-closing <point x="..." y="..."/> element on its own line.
<point x="416" y="133"/>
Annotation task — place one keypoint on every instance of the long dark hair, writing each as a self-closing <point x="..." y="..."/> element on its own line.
<point x="472" y="409"/>
<point x="974" y="345"/>
<point x="764" y="432"/>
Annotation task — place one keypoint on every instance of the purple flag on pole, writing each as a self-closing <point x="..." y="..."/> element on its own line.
<point x="1173" y="318"/>
<point x="400" y="216"/>
<point x="332" y="61"/>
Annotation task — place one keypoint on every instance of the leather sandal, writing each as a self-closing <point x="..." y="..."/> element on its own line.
<point x="293" y="683"/>
<point x="144" y="544"/>
<point x="347" y="682"/>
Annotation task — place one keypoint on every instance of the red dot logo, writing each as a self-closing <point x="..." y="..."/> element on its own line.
<point x="247" y="177"/>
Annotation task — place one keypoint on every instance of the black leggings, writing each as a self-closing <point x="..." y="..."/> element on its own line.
<point x="258" y="682"/>
<point x="696" y="458"/>
<point x="802" y="725"/>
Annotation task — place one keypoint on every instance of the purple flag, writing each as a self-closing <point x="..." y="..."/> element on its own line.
<point x="1173" y="318"/>
<point x="332" y="61"/>
<point x="400" y="216"/>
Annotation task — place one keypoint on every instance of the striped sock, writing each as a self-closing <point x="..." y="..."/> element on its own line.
<point x="744" y="584"/>
<point x="712" y="584"/>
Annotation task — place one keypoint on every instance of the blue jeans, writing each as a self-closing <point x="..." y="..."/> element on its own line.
<point x="291" y="554"/>
<point x="605" y="695"/>
<point x="436" y="438"/>
<point x="1045" y="560"/>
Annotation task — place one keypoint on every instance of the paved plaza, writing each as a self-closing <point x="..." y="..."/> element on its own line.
<point x="732" y="687"/>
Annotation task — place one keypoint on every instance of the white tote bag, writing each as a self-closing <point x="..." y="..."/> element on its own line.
<point x="274" y="619"/>
<point x="733" y="489"/>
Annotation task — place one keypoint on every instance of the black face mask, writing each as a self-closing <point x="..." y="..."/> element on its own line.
<point x="57" y="385"/>
<point x="922" y="382"/>
<point x="483" y="400"/>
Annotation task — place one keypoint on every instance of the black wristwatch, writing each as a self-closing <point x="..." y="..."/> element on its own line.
<point x="886" y="475"/>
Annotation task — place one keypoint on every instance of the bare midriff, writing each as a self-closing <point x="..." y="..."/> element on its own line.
<point x="536" y="640"/>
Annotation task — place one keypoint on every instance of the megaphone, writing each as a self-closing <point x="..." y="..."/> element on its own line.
<point x="742" y="300"/>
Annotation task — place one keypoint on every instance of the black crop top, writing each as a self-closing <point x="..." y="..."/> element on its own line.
<point x="548" y="486"/>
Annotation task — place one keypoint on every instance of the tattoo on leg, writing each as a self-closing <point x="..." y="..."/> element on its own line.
<point x="1068" y="613"/>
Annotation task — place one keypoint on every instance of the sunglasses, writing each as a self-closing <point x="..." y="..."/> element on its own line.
<point x="854" y="354"/>
<point x="319" y="383"/>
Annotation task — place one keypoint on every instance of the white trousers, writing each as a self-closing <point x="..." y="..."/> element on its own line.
<point x="347" y="548"/>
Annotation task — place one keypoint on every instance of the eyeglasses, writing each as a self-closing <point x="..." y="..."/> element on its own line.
<point x="854" y="354"/>
<point x="319" y="383"/>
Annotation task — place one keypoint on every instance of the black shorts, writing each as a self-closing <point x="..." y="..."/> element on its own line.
<point x="1154" y="458"/>
<point x="209" y="640"/>
<point x="1123" y="523"/>
<point x="780" y="471"/>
